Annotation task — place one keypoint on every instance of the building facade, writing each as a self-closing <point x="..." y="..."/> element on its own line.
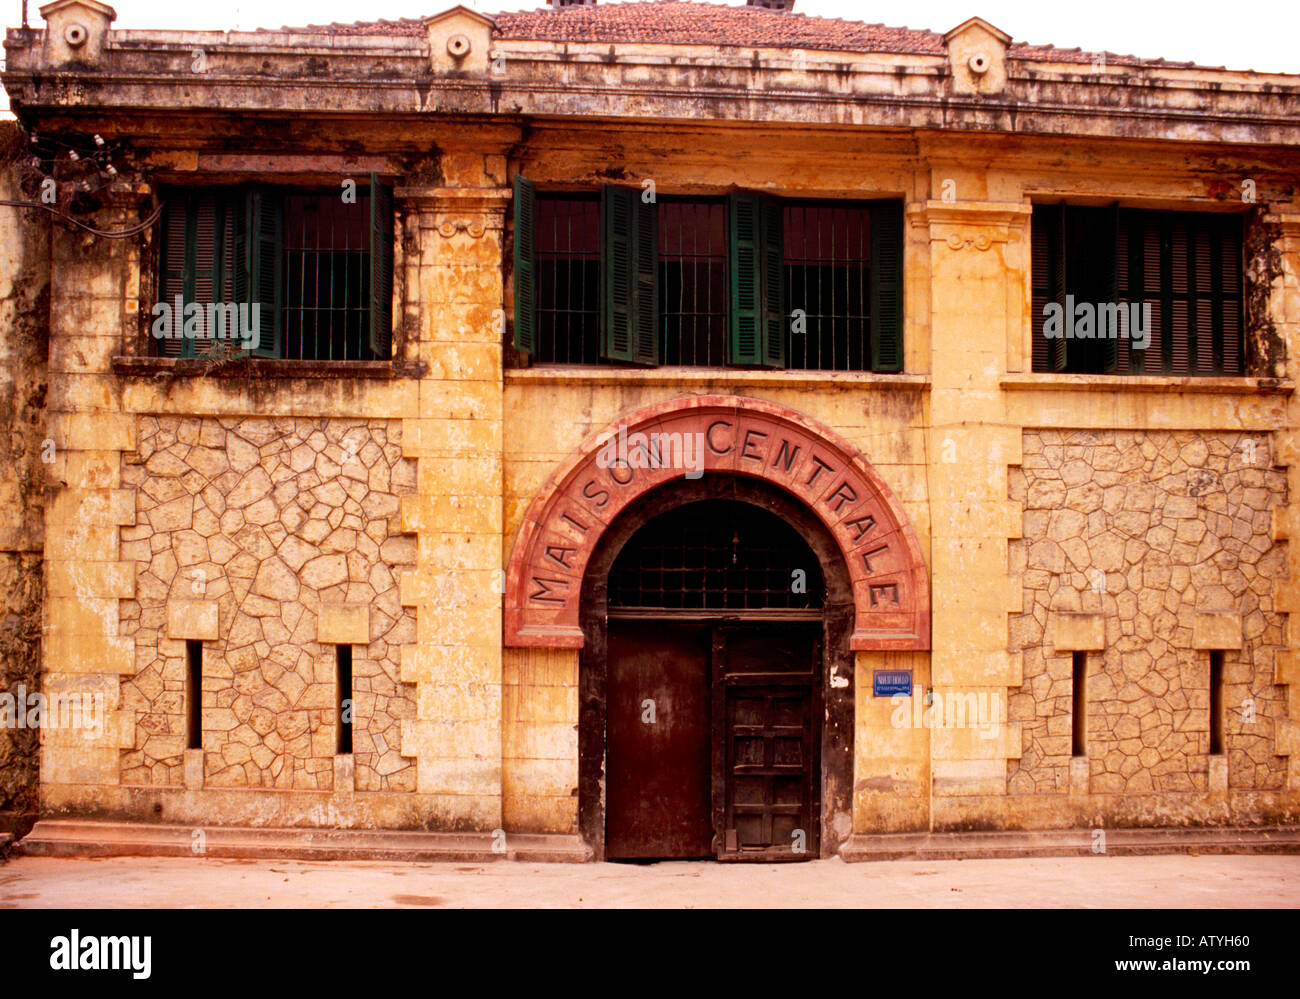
<point x="656" y="429"/>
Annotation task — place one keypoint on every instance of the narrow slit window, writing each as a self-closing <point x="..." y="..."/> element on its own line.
<point x="344" y="684"/>
<point x="1216" y="702"/>
<point x="1079" y="734"/>
<point x="194" y="694"/>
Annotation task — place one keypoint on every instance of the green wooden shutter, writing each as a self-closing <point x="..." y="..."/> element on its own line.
<point x="525" y="275"/>
<point x="1110" y="348"/>
<point x="1134" y="228"/>
<point x="381" y="269"/>
<point x="195" y="263"/>
<point x="645" y="266"/>
<point x="1056" y="351"/>
<point x="772" y="259"/>
<point x="259" y="242"/>
<point x="176" y="271"/>
<point x="616" y="220"/>
<point x="757" y="321"/>
<point x="746" y="281"/>
<point x="1040" y="266"/>
<point x="887" y="286"/>
<point x="629" y="245"/>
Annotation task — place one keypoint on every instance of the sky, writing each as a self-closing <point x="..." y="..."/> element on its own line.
<point x="1263" y="35"/>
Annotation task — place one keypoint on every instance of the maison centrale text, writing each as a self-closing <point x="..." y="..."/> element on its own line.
<point x="800" y="461"/>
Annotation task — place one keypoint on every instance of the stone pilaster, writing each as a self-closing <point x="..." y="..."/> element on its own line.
<point x="454" y="242"/>
<point x="93" y="305"/>
<point x="1284" y="306"/>
<point x="978" y="260"/>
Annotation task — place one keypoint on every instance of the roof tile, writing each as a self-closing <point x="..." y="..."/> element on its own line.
<point x="689" y="22"/>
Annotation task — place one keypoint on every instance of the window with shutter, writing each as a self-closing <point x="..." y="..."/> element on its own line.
<point x="317" y="267"/>
<point x="1173" y="279"/>
<point x="700" y="281"/>
<point x="328" y="310"/>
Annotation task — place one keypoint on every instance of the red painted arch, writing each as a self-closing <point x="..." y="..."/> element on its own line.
<point x="727" y="434"/>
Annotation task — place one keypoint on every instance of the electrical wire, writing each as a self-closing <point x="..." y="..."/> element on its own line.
<point x="134" y="230"/>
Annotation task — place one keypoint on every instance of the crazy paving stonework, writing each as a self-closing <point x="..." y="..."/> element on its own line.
<point x="1147" y="529"/>
<point x="269" y="518"/>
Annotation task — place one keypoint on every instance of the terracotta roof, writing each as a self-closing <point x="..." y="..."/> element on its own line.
<point x="672" y="22"/>
<point x="685" y="22"/>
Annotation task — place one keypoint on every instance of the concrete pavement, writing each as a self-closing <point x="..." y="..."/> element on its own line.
<point x="1169" y="881"/>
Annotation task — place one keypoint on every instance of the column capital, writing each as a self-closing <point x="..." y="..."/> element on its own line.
<point x="1287" y="221"/>
<point x="453" y="209"/>
<point x="952" y="222"/>
<point x="933" y="212"/>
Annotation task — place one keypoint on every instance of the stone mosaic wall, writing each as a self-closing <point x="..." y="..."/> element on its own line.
<point x="270" y="518"/>
<point x="1147" y="529"/>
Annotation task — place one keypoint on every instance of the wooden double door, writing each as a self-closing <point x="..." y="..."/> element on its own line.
<point x="713" y="739"/>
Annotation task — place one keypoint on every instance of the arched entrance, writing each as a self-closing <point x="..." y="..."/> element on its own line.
<point x="706" y="436"/>
<point x="716" y="679"/>
<point x="734" y="450"/>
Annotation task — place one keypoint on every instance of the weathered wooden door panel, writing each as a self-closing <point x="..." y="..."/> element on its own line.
<point x="767" y="726"/>
<point x="658" y="741"/>
<point x="713" y="740"/>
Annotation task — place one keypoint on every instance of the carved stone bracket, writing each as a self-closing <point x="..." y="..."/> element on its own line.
<point x="981" y="240"/>
<point x="449" y="227"/>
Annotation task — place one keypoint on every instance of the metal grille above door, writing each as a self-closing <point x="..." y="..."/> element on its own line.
<point x="716" y="555"/>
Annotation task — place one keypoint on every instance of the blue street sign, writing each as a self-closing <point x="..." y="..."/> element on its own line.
<point x="889" y="682"/>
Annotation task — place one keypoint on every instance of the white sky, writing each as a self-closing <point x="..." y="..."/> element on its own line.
<point x="1262" y="35"/>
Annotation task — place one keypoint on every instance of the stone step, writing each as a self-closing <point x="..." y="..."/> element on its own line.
<point x="1070" y="842"/>
<point x="87" y="838"/>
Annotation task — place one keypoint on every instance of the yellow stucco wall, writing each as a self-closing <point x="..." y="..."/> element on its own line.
<point x="492" y="733"/>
